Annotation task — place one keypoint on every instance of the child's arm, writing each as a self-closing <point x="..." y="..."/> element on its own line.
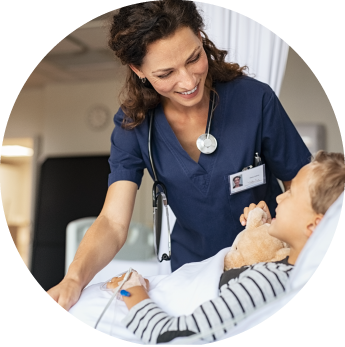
<point x="237" y="299"/>
<point x="137" y="294"/>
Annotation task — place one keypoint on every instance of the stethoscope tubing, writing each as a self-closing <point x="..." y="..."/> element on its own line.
<point x="211" y="116"/>
<point x="150" y="146"/>
<point x="157" y="183"/>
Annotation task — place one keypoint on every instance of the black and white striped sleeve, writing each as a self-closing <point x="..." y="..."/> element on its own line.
<point x="238" y="298"/>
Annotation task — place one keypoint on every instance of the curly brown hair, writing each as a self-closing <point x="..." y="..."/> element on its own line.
<point x="135" y="27"/>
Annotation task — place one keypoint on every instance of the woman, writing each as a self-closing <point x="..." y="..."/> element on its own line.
<point x="174" y="69"/>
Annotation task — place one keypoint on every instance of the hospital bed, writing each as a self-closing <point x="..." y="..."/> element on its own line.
<point x="176" y="293"/>
<point x="137" y="252"/>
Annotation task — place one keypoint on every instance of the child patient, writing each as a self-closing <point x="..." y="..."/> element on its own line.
<point x="300" y="209"/>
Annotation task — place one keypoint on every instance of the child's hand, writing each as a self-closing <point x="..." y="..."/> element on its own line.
<point x="136" y="289"/>
<point x="114" y="282"/>
<point x="147" y="284"/>
<point x="262" y="205"/>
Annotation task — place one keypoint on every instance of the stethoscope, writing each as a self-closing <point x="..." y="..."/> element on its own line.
<point x="206" y="144"/>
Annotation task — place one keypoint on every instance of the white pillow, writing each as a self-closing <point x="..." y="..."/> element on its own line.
<point x="179" y="293"/>
<point x="316" y="247"/>
<point x="306" y="264"/>
<point x="191" y="285"/>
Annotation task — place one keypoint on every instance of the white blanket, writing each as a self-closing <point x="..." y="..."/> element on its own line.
<point x="191" y="285"/>
<point x="178" y="293"/>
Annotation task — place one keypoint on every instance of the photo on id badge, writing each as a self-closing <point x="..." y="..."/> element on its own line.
<point x="247" y="179"/>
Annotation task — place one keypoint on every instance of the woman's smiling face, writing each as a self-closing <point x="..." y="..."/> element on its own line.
<point x="177" y="67"/>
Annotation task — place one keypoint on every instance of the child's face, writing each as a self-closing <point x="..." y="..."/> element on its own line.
<point x="295" y="217"/>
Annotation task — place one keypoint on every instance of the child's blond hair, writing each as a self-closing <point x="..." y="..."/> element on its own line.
<point x="328" y="180"/>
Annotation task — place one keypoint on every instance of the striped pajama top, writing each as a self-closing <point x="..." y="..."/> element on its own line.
<point x="242" y="291"/>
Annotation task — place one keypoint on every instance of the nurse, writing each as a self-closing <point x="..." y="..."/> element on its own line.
<point x="175" y="70"/>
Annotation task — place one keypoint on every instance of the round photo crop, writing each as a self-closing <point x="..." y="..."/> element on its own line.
<point x="76" y="173"/>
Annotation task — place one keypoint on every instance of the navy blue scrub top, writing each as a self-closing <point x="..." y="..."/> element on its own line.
<point x="248" y="119"/>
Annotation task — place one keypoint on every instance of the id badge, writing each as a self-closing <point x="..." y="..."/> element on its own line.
<point x="247" y="179"/>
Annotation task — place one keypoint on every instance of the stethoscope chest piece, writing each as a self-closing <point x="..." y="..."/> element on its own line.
<point x="206" y="143"/>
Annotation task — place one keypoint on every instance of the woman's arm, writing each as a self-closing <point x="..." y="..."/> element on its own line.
<point x="100" y="244"/>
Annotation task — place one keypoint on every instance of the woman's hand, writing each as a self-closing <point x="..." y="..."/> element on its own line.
<point x="66" y="293"/>
<point x="262" y="205"/>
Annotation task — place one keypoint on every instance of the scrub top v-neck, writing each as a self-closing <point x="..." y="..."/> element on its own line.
<point x="248" y="118"/>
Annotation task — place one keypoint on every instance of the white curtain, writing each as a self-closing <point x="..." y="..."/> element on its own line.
<point x="248" y="43"/>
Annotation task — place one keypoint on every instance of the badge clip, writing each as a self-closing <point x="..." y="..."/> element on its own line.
<point x="257" y="160"/>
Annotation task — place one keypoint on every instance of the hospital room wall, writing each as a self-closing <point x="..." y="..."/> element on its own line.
<point x="15" y="197"/>
<point x="15" y="179"/>
<point x="57" y="114"/>
<point x="306" y="102"/>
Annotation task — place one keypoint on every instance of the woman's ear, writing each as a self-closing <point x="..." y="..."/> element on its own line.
<point x="199" y="36"/>
<point x="136" y="70"/>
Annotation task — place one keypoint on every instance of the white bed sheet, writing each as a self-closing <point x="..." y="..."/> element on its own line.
<point x="178" y="293"/>
<point x="306" y="264"/>
<point x="191" y="285"/>
<point x="147" y="268"/>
